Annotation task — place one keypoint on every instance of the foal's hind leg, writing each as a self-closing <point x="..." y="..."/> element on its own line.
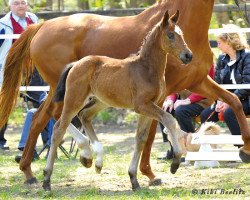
<point x="155" y="112"/>
<point x="73" y="102"/>
<point x="141" y="138"/>
<point x="86" y="115"/>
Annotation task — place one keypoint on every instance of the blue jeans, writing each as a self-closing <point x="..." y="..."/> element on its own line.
<point x="229" y="117"/>
<point x="46" y="133"/>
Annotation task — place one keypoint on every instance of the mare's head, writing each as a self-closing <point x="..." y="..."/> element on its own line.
<point x="172" y="38"/>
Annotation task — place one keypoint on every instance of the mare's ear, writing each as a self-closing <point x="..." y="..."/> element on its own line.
<point x="175" y="17"/>
<point x="165" y="19"/>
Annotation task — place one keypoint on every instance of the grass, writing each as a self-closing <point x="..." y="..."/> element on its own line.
<point x="70" y="180"/>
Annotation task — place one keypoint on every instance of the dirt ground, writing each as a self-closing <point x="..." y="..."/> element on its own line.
<point x="119" y="142"/>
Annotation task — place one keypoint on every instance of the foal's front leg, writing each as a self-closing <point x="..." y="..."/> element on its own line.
<point x="143" y="127"/>
<point x="86" y="115"/>
<point x="83" y="144"/>
<point x="155" y="112"/>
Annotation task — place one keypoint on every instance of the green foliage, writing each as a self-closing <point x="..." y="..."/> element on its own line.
<point x="17" y="116"/>
<point x="131" y="117"/>
<point x="103" y="116"/>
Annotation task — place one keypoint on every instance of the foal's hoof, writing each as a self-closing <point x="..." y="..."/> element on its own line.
<point x="46" y="185"/>
<point x="31" y="181"/>
<point x="98" y="169"/>
<point x="86" y="162"/>
<point x="244" y="156"/>
<point x="136" y="187"/>
<point x="175" y="165"/>
<point x="155" y="182"/>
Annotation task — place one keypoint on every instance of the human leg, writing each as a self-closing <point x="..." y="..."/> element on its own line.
<point x="206" y="115"/>
<point x="184" y="115"/>
<point x="2" y="139"/>
<point x="231" y="119"/>
<point x="25" y="134"/>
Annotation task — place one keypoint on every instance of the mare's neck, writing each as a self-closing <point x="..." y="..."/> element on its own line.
<point x="153" y="14"/>
<point x="195" y="15"/>
<point x="152" y="55"/>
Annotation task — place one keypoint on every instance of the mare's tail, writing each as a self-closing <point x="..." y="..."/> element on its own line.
<point x="61" y="86"/>
<point x="18" y="67"/>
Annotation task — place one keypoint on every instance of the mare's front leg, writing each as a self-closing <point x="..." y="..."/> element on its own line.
<point x="210" y="89"/>
<point x="141" y="138"/>
<point x="86" y="115"/>
<point x="145" y="158"/>
<point x="151" y="110"/>
<point x="39" y="121"/>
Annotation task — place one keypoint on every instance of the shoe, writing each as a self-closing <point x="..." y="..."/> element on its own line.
<point x="35" y="157"/>
<point x="4" y="147"/>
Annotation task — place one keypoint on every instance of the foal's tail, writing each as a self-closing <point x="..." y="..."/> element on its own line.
<point x="18" y="67"/>
<point x="61" y="86"/>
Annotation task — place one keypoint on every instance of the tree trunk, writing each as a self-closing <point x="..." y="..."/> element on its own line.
<point x="222" y="17"/>
<point x="83" y="4"/>
<point x="49" y="5"/>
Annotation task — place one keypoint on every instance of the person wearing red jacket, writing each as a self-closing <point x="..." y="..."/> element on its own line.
<point x="184" y="106"/>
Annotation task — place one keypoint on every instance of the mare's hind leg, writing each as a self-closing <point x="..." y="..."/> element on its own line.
<point x="86" y="115"/>
<point x="141" y="138"/>
<point x="210" y="89"/>
<point x="40" y="120"/>
<point x="155" y="112"/>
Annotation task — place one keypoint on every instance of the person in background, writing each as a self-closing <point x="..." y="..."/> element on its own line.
<point x="14" y="22"/>
<point x="184" y="106"/>
<point x="233" y="67"/>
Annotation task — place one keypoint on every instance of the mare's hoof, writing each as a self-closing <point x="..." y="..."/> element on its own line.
<point x="155" y="182"/>
<point x="244" y="157"/>
<point x="31" y="181"/>
<point x="86" y="162"/>
<point x="98" y="169"/>
<point x="174" y="167"/>
<point x="46" y="185"/>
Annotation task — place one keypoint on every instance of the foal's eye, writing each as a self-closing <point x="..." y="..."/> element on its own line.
<point x="170" y="35"/>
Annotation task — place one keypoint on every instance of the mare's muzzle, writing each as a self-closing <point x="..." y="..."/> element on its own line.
<point x="186" y="57"/>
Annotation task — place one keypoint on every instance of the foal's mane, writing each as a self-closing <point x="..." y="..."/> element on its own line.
<point x="148" y="40"/>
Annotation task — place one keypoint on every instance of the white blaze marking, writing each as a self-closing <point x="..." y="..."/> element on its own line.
<point x="178" y="30"/>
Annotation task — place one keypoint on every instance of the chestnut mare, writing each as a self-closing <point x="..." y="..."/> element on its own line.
<point x="137" y="82"/>
<point x="57" y="42"/>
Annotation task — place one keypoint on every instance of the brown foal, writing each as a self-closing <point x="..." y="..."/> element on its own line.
<point x="137" y="82"/>
<point x="70" y="38"/>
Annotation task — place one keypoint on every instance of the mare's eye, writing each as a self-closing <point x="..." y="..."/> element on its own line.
<point x="170" y="35"/>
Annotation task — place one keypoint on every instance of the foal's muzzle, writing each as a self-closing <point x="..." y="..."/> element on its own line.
<point x="186" y="57"/>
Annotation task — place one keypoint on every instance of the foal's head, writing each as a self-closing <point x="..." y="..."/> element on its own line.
<point x="172" y="38"/>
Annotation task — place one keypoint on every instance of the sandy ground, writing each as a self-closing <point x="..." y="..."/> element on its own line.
<point x="114" y="178"/>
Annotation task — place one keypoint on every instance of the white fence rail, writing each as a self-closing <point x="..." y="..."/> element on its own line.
<point x="211" y="31"/>
<point x="46" y="88"/>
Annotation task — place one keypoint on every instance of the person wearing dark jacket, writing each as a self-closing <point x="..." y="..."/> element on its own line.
<point x="233" y="67"/>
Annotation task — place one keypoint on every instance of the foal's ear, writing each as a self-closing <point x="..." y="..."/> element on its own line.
<point x="175" y="17"/>
<point x="165" y="19"/>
